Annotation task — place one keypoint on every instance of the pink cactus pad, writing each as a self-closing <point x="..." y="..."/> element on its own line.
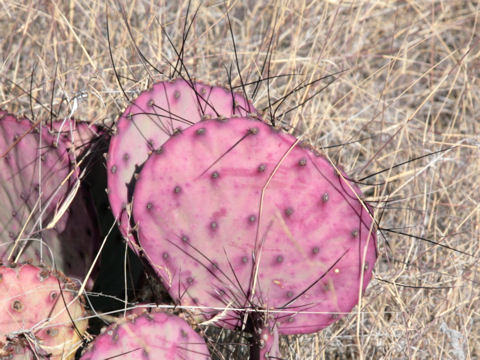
<point x="74" y="248"/>
<point x="155" y="335"/>
<point x="234" y="214"/>
<point x="150" y="120"/>
<point x="35" y="180"/>
<point x="37" y="176"/>
<point x="76" y="135"/>
<point x="37" y="308"/>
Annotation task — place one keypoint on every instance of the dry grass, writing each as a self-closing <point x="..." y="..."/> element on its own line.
<point x="408" y="85"/>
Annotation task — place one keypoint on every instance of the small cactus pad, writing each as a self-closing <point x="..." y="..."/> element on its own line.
<point x="37" y="176"/>
<point x="235" y="214"/>
<point x="39" y="313"/>
<point x="155" y="335"/>
<point x="157" y="114"/>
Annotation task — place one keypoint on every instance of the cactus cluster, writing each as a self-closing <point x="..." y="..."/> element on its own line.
<point x="246" y="227"/>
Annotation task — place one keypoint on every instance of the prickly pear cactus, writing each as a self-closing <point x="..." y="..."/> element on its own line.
<point x="155" y="335"/>
<point x="41" y="316"/>
<point x="236" y="215"/>
<point x="150" y="120"/>
<point x="37" y="178"/>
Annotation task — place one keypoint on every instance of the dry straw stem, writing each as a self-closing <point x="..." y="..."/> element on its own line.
<point x="407" y="85"/>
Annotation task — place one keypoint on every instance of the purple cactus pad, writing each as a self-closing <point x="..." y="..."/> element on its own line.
<point x="271" y="227"/>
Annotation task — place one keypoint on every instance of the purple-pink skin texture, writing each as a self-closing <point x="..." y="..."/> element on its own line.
<point x="151" y="119"/>
<point x="233" y="214"/>
<point x="150" y="336"/>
